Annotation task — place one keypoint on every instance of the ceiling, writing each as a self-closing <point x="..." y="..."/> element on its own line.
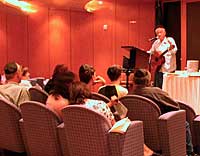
<point x="72" y="4"/>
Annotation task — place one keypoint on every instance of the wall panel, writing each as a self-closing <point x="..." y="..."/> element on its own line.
<point x="38" y="42"/>
<point x="146" y="24"/>
<point x="104" y="54"/>
<point x="53" y="36"/>
<point x="3" y="39"/>
<point x="134" y="26"/>
<point x="122" y="29"/>
<point x="17" y="38"/>
<point x="59" y="38"/>
<point x="82" y="39"/>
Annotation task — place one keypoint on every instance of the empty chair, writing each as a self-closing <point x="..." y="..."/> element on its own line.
<point x="10" y="134"/>
<point x="40" y="126"/>
<point x="38" y="95"/>
<point x="194" y="121"/>
<point x="97" y="96"/>
<point x="163" y="133"/>
<point x="87" y="133"/>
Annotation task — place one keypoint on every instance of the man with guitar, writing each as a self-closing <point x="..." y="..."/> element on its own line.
<point x="163" y="56"/>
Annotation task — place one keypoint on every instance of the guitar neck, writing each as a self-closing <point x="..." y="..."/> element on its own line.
<point x="164" y="53"/>
<point x="167" y="51"/>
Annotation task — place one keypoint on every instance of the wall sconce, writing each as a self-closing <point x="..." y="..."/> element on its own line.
<point x="132" y="22"/>
<point x="93" y="5"/>
<point x="23" y="5"/>
<point x="105" y="27"/>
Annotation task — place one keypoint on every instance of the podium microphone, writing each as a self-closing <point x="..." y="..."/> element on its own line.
<point x="153" y="39"/>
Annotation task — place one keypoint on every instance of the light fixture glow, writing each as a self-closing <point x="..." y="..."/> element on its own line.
<point x="100" y="2"/>
<point x="93" y="5"/>
<point x="24" y="6"/>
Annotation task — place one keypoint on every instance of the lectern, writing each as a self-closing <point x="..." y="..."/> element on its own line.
<point x="137" y="59"/>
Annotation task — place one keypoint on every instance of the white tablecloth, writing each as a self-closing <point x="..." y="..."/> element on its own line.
<point x="184" y="88"/>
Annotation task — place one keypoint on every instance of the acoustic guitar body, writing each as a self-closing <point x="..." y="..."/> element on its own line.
<point x="157" y="61"/>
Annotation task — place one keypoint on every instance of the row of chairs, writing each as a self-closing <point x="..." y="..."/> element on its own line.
<point x="136" y="105"/>
<point x="38" y="94"/>
<point x="35" y="129"/>
<point x="141" y="108"/>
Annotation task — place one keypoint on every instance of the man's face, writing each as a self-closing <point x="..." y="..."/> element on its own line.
<point x="161" y="33"/>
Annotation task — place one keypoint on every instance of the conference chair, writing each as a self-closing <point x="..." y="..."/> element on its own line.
<point x="40" y="127"/>
<point x="10" y="131"/>
<point x="87" y="133"/>
<point x="117" y="110"/>
<point x="194" y="121"/>
<point x="38" y="95"/>
<point x="162" y="133"/>
<point x="97" y="96"/>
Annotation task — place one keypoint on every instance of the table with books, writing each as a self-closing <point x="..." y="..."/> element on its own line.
<point x="184" y="86"/>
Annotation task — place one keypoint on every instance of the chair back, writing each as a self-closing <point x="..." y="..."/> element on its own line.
<point x="141" y="108"/>
<point x="190" y="116"/>
<point x="86" y="131"/>
<point x="97" y="96"/>
<point x="108" y="91"/>
<point x="10" y="134"/>
<point x="38" y="95"/>
<point x="37" y="81"/>
<point x="172" y="131"/>
<point x="190" y="113"/>
<point x="40" y="126"/>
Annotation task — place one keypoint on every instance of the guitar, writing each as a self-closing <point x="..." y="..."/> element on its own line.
<point x="157" y="59"/>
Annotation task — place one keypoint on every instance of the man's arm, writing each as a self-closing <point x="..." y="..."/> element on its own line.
<point x="172" y="45"/>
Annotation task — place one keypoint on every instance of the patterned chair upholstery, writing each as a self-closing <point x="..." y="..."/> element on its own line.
<point x="38" y="95"/>
<point x="160" y="131"/>
<point x="194" y="121"/>
<point x="40" y="127"/>
<point x="10" y="133"/>
<point x="97" y="96"/>
<point x="87" y="134"/>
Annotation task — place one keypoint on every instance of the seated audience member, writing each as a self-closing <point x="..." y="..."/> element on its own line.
<point x="141" y="80"/>
<point x="87" y="74"/>
<point x="80" y="94"/>
<point x="25" y="78"/>
<point x="114" y="88"/>
<point x="11" y="90"/>
<point x="59" y="68"/>
<point x="59" y="94"/>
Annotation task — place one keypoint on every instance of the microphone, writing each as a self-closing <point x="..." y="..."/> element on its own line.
<point x="153" y="39"/>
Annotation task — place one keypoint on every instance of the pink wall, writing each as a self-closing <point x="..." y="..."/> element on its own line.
<point x="52" y="36"/>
